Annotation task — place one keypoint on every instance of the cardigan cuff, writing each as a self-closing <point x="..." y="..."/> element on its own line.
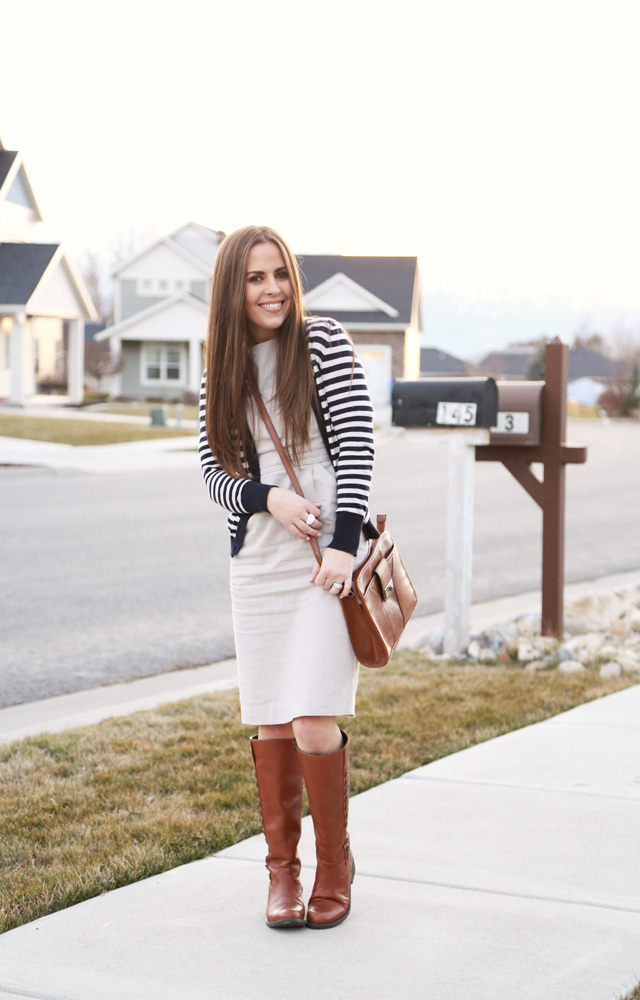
<point x="254" y="496"/>
<point x="347" y="534"/>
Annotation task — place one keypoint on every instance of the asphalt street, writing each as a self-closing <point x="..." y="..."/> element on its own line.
<point x="110" y="577"/>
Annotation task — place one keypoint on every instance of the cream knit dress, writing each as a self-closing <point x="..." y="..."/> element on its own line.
<point x="292" y="646"/>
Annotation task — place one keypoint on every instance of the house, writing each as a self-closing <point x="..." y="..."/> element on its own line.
<point x="585" y="391"/>
<point x="436" y="362"/>
<point x="161" y="308"/>
<point x="376" y="299"/>
<point x="43" y="300"/>
<point x="160" y="314"/>
<point x="513" y="362"/>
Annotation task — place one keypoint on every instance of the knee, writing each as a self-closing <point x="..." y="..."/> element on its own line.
<point x="277" y="732"/>
<point x="317" y="734"/>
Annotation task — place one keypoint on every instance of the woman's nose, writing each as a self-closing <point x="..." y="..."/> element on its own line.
<point x="272" y="285"/>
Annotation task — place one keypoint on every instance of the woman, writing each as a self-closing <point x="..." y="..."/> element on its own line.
<point x="296" y="667"/>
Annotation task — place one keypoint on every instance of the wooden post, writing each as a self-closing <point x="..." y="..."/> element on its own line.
<point x="553" y="509"/>
<point x="549" y="494"/>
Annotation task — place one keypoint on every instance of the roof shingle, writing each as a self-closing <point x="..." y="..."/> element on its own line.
<point x="21" y="268"/>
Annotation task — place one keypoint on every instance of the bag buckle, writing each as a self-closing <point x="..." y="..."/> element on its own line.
<point x="388" y="589"/>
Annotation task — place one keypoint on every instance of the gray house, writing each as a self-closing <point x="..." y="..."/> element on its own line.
<point x="161" y="306"/>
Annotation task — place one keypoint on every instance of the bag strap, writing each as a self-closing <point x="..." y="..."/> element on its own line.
<point x="381" y="519"/>
<point x="283" y="456"/>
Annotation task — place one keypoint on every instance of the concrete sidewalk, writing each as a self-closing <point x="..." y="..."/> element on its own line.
<point x="508" y="870"/>
<point x="128" y="456"/>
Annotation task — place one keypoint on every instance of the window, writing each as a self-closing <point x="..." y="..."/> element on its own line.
<point x="159" y="288"/>
<point x="162" y="364"/>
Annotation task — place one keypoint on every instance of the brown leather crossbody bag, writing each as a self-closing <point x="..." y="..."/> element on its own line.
<point x="382" y="597"/>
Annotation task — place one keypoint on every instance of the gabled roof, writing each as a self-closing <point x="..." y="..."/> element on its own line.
<point x="214" y="234"/>
<point x="12" y="168"/>
<point x="173" y="242"/>
<point x="390" y="280"/>
<point x="7" y="158"/>
<point x="436" y="362"/>
<point x="513" y="362"/>
<point x="144" y="314"/>
<point x="22" y="266"/>
<point x="584" y="362"/>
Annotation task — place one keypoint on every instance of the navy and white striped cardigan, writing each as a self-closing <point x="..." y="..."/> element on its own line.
<point x="345" y="419"/>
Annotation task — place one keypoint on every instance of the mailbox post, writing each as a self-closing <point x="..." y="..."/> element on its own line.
<point x="531" y="427"/>
<point x="460" y="412"/>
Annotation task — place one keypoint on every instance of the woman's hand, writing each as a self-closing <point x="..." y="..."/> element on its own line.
<point x="337" y="567"/>
<point x="293" y="511"/>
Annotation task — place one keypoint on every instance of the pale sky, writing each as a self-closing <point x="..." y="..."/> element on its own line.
<point x="497" y="140"/>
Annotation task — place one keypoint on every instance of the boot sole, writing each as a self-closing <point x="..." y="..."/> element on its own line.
<point x="287" y="922"/>
<point x="334" y="923"/>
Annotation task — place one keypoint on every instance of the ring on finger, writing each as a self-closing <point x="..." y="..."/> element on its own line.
<point x="337" y="584"/>
<point x="310" y="519"/>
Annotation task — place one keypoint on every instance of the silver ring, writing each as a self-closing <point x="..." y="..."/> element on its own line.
<point x="336" y="584"/>
<point x="310" y="519"/>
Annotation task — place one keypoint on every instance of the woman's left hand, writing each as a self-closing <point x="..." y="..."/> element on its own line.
<point x="337" y="567"/>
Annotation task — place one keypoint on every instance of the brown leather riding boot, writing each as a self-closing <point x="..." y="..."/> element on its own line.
<point x="326" y="777"/>
<point x="279" y="780"/>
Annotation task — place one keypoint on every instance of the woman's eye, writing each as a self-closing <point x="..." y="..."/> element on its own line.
<point x="283" y="275"/>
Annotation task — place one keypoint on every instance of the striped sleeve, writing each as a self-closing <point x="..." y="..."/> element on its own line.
<point x="348" y="412"/>
<point x="240" y="496"/>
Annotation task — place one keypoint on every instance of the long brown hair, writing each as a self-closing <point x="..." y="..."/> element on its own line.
<point x="228" y="362"/>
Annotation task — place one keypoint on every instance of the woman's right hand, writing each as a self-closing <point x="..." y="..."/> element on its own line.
<point x="292" y="511"/>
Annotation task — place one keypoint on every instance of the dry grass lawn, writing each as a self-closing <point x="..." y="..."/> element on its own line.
<point x="95" y="808"/>
<point x="80" y="432"/>
<point x="142" y="409"/>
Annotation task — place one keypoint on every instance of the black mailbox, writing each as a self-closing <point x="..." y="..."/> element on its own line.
<point x="444" y="402"/>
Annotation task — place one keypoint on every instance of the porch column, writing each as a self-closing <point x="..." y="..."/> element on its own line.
<point x="195" y="365"/>
<point x="21" y="384"/>
<point x="75" y="361"/>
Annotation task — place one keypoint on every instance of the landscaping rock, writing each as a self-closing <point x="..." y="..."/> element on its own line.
<point x="487" y="656"/>
<point x="571" y="667"/>
<point x="536" y="665"/>
<point x="526" y="651"/>
<point x="564" y="653"/>
<point x="611" y="669"/>
<point x="577" y="625"/>
<point x="634" y="621"/>
<point x="628" y="661"/>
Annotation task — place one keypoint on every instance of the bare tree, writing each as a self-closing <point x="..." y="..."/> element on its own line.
<point x="99" y="362"/>
<point x="95" y="274"/>
<point x="590" y="339"/>
<point x="626" y="344"/>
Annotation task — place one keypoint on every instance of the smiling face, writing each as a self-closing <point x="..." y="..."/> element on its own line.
<point x="268" y="291"/>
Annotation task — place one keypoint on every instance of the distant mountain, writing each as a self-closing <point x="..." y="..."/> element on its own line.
<point x="471" y="329"/>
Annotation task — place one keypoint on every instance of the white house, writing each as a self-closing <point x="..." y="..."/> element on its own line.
<point x="161" y="306"/>
<point x="43" y="300"/>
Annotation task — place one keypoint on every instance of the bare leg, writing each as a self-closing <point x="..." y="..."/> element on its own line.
<point x="317" y="734"/>
<point x="282" y="732"/>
